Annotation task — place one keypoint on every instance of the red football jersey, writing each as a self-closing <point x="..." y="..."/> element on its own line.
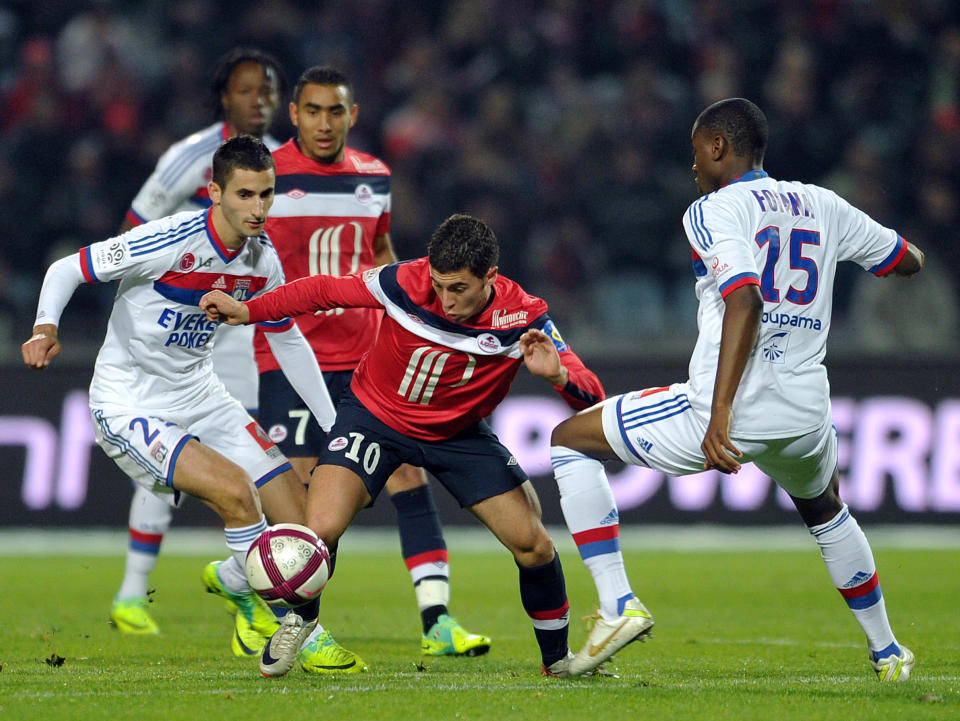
<point x="323" y="222"/>
<point x="425" y="376"/>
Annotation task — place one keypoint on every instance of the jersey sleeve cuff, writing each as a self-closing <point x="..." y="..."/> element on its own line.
<point x="134" y="218"/>
<point x="891" y="261"/>
<point x="738" y="281"/>
<point x="275" y="326"/>
<point x="86" y="265"/>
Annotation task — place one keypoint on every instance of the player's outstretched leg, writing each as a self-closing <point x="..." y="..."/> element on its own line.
<point x="849" y="560"/>
<point x="591" y="515"/>
<point x="254" y="622"/>
<point x="425" y="555"/>
<point x="149" y="521"/>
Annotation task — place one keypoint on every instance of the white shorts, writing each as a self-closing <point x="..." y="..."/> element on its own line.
<point x="146" y="446"/>
<point x="658" y="428"/>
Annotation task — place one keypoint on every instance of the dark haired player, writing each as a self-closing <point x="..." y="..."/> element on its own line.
<point x="452" y="339"/>
<point x="159" y="410"/>
<point x="244" y="96"/>
<point x="332" y="217"/>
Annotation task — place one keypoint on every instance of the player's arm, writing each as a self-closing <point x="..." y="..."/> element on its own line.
<point x="383" y="252"/>
<point x="299" y="297"/>
<point x="577" y="385"/>
<point x="61" y="280"/>
<point x="741" y="323"/>
<point x="299" y="365"/>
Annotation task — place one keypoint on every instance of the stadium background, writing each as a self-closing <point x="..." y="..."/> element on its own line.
<point x="565" y="125"/>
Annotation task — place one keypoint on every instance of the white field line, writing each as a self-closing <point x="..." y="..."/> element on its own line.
<point x="417" y="682"/>
<point x="702" y="538"/>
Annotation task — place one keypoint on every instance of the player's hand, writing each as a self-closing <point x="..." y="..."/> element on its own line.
<point x="224" y="308"/>
<point x="717" y="447"/>
<point x="42" y="346"/>
<point x="542" y="358"/>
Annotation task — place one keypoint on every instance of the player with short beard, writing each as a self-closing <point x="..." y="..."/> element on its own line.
<point x="159" y="410"/>
<point x="244" y="97"/>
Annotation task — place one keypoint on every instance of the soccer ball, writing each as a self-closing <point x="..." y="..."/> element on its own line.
<point x="288" y="565"/>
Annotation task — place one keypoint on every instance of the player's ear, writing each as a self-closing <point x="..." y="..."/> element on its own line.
<point x="491" y="277"/>
<point x="293" y="114"/>
<point x="353" y="114"/>
<point x="214" y="192"/>
<point x="719" y="147"/>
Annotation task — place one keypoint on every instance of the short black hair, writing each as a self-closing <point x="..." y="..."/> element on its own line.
<point x="462" y="241"/>
<point x="228" y="63"/>
<point x="241" y="151"/>
<point x="322" y="75"/>
<point x="741" y="122"/>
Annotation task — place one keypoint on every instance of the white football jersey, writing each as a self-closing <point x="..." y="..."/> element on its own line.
<point x="179" y="184"/>
<point x="156" y="354"/>
<point x="786" y="237"/>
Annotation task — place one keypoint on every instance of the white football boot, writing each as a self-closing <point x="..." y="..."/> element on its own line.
<point x="894" y="668"/>
<point x="608" y="637"/>
<point x="283" y="648"/>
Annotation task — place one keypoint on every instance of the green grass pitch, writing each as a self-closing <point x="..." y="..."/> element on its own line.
<point x="739" y="635"/>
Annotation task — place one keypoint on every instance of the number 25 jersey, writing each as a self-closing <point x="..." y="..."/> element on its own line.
<point x="787" y="238"/>
<point x="323" y="222"/>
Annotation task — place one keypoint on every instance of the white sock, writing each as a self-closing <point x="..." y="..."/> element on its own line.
<point x="313" y="634"/>
<point x="149" y="521"/>
<point x="238" y="541"/>
<point x="592" y="518"/>
<point x="849" y="560"/>
<point x="432" y="592"/>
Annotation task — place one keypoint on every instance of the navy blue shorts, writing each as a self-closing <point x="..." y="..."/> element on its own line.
<point x="472" y="465"/>
<point x="286" y="418"/>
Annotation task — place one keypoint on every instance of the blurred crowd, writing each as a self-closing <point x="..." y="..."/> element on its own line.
<point x="564" y="124"/>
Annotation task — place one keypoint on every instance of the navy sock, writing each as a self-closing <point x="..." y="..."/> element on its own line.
<point x="544" y="596"/>
<point x="424" y="550"/>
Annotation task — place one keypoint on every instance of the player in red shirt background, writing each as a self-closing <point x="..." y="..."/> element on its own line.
<point x="332" y="218"/>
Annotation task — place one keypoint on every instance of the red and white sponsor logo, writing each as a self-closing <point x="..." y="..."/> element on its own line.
<point x="719" y="267"/>
<point x="187" y="262"/>
<point x="278" y="433"/>
<point x="338" y="443"/>
<point x="488" y="343"/>
<point x="502" y="319"/>
<point x="296" y="194"/>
